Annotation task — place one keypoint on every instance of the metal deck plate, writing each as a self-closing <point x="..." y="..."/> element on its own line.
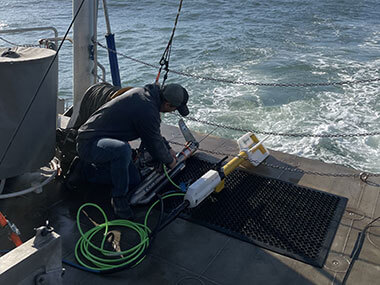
<point x="295" y="221"/>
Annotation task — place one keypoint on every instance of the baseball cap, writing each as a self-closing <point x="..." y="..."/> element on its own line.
<point x="176" y="95"/>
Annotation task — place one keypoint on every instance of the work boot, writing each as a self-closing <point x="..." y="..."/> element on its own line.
<point x="74" y="177"/>
<point x="121" y="208"/>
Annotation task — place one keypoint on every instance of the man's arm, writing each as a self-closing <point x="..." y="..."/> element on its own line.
<point x="149" y="131"/>
<point x="172" y="153"/>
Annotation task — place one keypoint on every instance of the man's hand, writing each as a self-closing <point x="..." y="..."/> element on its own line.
<point x="173" y="153"/>
<point x="173" y="163"/>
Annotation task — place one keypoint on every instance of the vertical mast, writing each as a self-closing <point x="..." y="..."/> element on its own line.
<point x="84" y="63"/>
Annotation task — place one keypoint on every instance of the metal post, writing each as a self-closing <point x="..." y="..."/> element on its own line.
<point x="84" y="35"/>
<point x="108" y="25"/>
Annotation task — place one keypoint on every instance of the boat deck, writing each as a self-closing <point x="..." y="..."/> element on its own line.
<point x="186" y="253"/>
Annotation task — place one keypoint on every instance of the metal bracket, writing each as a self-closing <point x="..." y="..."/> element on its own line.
<point x="91" y="52"/>
<point x="43" y="234"/>
<point x="50" y="277"/>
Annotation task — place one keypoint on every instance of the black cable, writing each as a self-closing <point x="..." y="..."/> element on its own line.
<point x="174" y="214"/>
<point x="40" y="85"/>
<point x="357" y="248"/>
<point x="166" y="66"/>
<point x="80" y="267"/>
<point x="155" y="230"/>
<point x="166" y="55"/>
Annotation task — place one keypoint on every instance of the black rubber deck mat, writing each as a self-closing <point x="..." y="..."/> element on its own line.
<point x="295" y="221"/>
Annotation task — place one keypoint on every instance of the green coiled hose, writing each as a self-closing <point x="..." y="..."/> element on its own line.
<point x="127" y="258"/>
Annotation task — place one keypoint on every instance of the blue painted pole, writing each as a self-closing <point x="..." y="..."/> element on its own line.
<point x="112" y="56"/>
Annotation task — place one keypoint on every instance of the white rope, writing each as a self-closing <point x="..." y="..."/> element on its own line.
<point x="54" y="167"/>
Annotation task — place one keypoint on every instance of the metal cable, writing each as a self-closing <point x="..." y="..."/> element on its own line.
<point x="250" y="83"/>
<point x="282" y="134"/>
<point x="290" y="84"/>
<point x="265" y="84"/>
<point x="126" y="56"/>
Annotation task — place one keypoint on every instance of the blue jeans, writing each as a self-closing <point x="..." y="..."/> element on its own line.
<point x="109" y="161"/>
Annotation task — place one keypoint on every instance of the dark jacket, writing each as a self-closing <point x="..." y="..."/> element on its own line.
<point x="132" y="115"/>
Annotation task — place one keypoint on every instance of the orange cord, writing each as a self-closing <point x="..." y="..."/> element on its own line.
<point x="158" y="76"/>
<point x="16" y="239"/>
<point x="13" y="236"/>
<point x="3" y="220"/>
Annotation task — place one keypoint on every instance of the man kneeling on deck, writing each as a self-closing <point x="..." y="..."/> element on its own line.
<point x="102" y="142"/>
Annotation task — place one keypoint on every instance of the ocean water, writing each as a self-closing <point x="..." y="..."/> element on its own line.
<point x="273" y="41"/>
